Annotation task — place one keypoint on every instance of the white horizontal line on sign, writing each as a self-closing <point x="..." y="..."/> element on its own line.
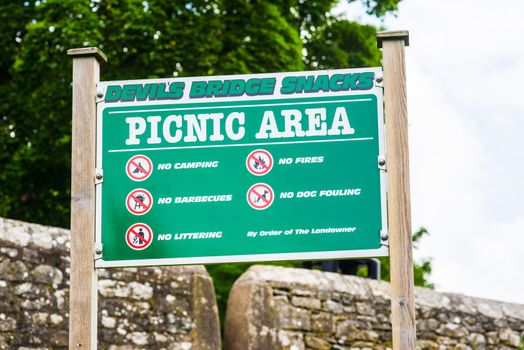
<point x="233" y="106"/>
<point x="238" y="145"/>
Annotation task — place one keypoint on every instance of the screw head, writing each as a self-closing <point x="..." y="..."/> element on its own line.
<point x="379" y="79"/>
<point x="100" y="94"/>
<point x="99" y="176"/>
<point x="384" y="236"/>
<point x="381" y="162"/>
<point x="98" y="251"/>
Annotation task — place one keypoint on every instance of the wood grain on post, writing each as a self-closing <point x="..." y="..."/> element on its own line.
<point x="83" y="280"/>
<point x="399" y="207"/>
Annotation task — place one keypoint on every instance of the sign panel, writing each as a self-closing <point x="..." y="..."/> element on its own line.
<point x="240" y="168"/>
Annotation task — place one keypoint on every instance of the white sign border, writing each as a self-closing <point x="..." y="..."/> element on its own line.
<point x="342" y="254"/>
<point x="335" y="255"/>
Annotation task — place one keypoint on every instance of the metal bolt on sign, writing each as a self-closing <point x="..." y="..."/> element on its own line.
<point x="99" y="176"/>
<point x="382" y="162"/>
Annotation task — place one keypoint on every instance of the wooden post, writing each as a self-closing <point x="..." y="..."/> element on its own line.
<point x="399" y="207"/>
<point x="83" y="280"/>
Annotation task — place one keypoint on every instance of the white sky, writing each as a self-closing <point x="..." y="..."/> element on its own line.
<point x="465" y="68"/>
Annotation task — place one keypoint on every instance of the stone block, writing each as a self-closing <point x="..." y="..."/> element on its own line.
<point x="510" y="337"/>
<point x="15" y="271"/>
<point x="291" y="340"/>
<point x="47" y="274"/>
<point x="322" y="322"/>
<point x="317" y="343"/>
<point x="293" y="318"/>
<point x="306" y="302"/>
<point x="333" y="306"/>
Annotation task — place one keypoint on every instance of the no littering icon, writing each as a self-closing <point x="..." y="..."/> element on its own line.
<point x="139" y="236"/>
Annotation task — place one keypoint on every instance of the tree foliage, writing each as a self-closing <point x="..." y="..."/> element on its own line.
<point x="421" y="269"/>
<point x="147" y="39"/>
<point x="143" y="39"/>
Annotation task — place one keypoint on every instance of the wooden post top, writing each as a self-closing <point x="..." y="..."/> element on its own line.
<point x="392" y="35"/>
<point x="88" y="51"/>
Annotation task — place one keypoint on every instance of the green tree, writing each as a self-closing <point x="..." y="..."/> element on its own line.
<point x="146" y="39"/>
<point x="421" y="269"/>
<point x="143" y="39"/>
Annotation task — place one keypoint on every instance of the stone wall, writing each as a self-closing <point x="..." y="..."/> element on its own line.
<point x="294" y="309"/>
<point x="270" y="308"/>
<point x="148" y="308"/>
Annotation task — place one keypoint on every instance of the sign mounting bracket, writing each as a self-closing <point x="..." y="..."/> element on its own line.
<point x="99" y="176"/>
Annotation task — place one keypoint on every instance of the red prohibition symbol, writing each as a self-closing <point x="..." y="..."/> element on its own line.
<point x="139" y="168"/>
<point x="259" y="162"/>
<point x="139" y="201"/>
<point x="260" y="196"/>
<point x="139" y="236"/>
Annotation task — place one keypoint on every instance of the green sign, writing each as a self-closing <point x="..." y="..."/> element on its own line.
<point x="282" y="166"/>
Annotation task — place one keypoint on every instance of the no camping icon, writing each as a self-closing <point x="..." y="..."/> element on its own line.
<point x="139" y="168"/>
<point x="260" y="196"/>
<point x="139" y="236"/>
<point x="259" y="162"/>
<point x="139" y="201"/>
